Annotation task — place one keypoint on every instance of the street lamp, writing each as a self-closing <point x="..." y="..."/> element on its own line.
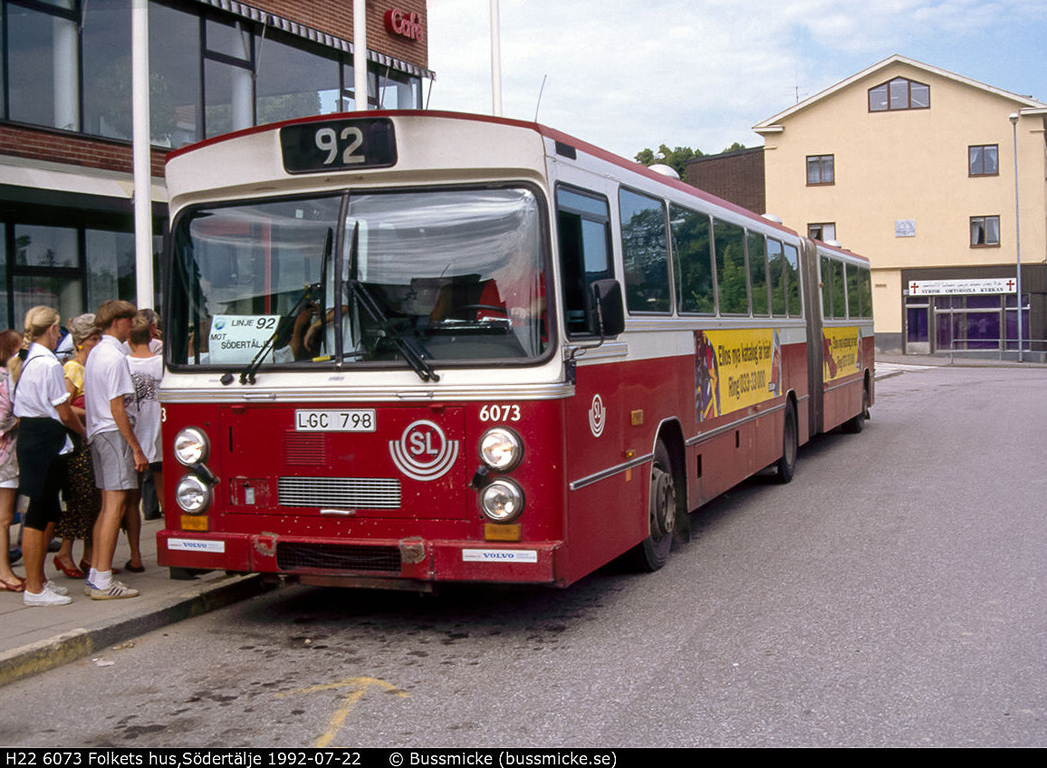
<point x="1017" y="229"/>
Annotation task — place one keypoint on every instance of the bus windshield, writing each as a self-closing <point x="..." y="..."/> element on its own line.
<point x="430" y="275"/>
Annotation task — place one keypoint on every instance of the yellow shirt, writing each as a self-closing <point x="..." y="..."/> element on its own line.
<point x="74" y="371"/>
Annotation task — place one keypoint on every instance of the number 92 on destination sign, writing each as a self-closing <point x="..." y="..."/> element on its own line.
<point x="338" y="145"/>
<point x="356" y="420"/>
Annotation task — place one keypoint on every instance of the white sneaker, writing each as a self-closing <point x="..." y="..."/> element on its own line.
<point x="44" y="599"/>
<point x="57" y="589"/>
<point x="116" y="590"/>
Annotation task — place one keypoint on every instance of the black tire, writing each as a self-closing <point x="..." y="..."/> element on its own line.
<point x="652" y="552"/>
<point x="786" y="464"/>
<point x="855" y="425"/>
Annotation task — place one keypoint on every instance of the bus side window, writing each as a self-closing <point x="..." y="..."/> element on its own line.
<point x="866" y="293"/>
<point x="757" y="250"/>
<point x="585" y="255"/>
<point x="777" y="270"/>
<point x="645" y="252"/>
<point x="854" y="310"/>
<point x="731" y="277"/>
<point x="792" y="280"/>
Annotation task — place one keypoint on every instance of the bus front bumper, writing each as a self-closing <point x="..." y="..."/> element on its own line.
<point x="413" y="558"/>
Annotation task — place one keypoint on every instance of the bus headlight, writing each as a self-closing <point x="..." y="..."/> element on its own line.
<point x="191" y="446"/>
<point x="501" y="449"/>
<point x="502" y="500"/>
<point x="193" y="495"/>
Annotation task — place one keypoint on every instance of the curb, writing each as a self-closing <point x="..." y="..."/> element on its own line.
<point x="62" y="649"/>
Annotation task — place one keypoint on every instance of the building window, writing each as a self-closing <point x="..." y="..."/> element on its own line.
<point x="899" y="93"/>
<point x="985" y="231"/>
<point x="983" y="160"/>
<point x="825" y="231"/>
<point x="820" y="170"/>
<point x="66" y="64"/>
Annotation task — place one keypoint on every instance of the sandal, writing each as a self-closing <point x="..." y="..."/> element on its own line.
<point x="134" y="569"/>
<point x="8" y="587"/>
<point x="72" y="573"/>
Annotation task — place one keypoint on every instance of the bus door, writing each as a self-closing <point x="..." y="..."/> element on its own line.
<point x="604" y="507"/>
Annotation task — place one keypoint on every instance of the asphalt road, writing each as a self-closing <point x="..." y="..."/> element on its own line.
<point x="894" y="594"/>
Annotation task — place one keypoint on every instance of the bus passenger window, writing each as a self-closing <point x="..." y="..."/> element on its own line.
<point x="854" y="304"/>
<point x="827" y="286"/>
<point x="776" y="269"/>
<point x="757" y="272"/>
<point x="730" y="268"/>
<point x="792" y="280"/>
<point x="692" y="258"/>
<point x="645" y="252"/>
<point x="866" y="292"/>
<point x="585" y="255"/>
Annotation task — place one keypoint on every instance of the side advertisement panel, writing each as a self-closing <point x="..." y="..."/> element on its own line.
<point x="735" y="370"/>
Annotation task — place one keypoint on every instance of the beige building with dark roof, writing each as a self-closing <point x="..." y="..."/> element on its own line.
<point x="914" y="167"/>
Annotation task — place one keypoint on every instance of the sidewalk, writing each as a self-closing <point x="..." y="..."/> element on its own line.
<point x="958" y="361"/>
<point x="34" y="640"/>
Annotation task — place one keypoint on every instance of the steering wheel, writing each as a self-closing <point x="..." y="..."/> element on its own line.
<point x="465" y="309"/>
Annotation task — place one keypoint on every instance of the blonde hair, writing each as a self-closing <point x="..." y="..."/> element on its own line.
<point x="38" y="321"/>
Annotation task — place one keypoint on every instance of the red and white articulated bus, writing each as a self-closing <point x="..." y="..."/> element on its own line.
<point x="415" y="347"/>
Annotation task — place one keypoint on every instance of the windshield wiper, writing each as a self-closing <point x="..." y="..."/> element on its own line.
<point x="407" y="348"/>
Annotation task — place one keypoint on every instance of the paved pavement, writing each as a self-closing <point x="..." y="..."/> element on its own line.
<point x="34" y="640"/>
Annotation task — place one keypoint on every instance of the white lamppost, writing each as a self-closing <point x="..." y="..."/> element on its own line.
<point x="1017" y="230"/>
<point x="496" y="62"/>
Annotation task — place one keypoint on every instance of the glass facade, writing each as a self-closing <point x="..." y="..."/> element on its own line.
<point x="66" y="64"/>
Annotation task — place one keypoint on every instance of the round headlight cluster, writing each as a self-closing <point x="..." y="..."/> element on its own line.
<point x="502" y="500"/>
<point x="192" y="494"/>
<point x="501" y="449"/>
<point x="191" y="447"/>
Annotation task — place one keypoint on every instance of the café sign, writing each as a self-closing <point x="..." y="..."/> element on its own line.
<point x="404" y="23"/>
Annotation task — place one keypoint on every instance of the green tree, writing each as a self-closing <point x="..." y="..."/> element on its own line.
<point x="737" y="146"/>
<point x="675" y="158"/>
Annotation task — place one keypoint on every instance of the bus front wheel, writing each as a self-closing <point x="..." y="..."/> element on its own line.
<point x="652" y="552"/>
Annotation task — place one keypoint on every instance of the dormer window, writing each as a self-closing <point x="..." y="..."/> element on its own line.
<point x="899" y="93"/>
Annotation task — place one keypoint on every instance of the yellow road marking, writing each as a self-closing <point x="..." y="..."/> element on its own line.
<point x="362" y="684"/>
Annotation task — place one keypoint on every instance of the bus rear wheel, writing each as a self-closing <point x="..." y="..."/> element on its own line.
<point x="651" y="554"/>
<point x="786" y="465"/>
<point x="857" y="424"/>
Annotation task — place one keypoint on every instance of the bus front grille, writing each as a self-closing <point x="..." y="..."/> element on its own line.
<point x="293" y="556"/>
<point x="340" y="492"/>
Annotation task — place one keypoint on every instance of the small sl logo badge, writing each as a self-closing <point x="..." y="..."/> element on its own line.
<point x="597" y="416"/>
<point x="423" y="451"/>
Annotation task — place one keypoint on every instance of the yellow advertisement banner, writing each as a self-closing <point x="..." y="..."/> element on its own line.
<point x="841" y="352"/>
<point x="735" y="369"/>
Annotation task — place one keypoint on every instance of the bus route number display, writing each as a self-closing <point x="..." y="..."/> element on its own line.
<point x="338" y="145"/>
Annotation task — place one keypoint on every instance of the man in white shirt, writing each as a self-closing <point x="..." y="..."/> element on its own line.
<point x="115" y="452"/>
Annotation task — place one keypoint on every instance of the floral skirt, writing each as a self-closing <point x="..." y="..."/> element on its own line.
<point x="83" y="501"/>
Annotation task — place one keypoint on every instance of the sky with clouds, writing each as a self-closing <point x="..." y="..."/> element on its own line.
<point x="630" y="74"/>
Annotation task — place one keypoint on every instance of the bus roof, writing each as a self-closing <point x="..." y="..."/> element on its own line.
<point x="546" y="132"/>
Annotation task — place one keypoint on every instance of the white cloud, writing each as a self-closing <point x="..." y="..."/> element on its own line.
<point x="626" y="74"/>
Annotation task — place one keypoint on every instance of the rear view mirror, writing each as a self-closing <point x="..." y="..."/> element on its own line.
<point x="607" y="301"/>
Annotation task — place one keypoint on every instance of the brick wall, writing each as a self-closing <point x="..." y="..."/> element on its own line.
<point x="335" y="17"/>
<point x="72" y="149"/>
<point x="734" y="176"/>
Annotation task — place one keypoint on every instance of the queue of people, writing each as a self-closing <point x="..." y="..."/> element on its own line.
<point x="85" y="434"/>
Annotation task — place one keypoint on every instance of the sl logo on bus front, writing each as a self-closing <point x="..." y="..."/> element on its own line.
<point x="423" y="451"/>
